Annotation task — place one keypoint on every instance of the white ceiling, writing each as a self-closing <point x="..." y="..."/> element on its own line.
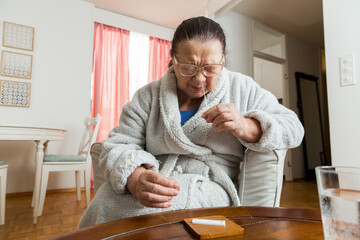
<point x="167" y="13"/>
<point x="302" y="18"/>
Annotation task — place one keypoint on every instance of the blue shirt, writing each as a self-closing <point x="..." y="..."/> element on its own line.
<point x="186" y="115"/>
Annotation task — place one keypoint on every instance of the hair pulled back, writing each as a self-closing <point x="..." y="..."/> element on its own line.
<point x="200" y="29"/>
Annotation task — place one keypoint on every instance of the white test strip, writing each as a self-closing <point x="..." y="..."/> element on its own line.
<point x="208" y="222"/>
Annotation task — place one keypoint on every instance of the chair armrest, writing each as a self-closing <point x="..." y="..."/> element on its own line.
<point x="261" y="178"/>
<point x="99" y="178"/>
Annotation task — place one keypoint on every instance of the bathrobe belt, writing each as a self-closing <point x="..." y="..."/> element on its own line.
<point x="220" y="175"/>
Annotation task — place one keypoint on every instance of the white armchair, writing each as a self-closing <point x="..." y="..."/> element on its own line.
<point x="261" y="176"/>
<point x="99" y="178"/>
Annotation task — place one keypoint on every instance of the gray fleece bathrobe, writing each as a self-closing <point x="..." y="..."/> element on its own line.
<point x="205" y="163"/>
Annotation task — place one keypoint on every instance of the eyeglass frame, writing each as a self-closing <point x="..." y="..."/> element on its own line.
<point x="202" y="69"/>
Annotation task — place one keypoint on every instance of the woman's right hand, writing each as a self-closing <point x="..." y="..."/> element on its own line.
<point x="152" y="189"/>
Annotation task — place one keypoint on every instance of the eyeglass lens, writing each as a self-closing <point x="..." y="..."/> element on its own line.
<point x="190" y="70"/>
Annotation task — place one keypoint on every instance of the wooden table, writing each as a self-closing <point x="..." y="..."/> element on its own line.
<point x="258" y="222"/>
<point x="41" y="136"/>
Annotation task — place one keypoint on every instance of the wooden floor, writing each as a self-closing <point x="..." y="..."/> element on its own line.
<point x="62" y="212"/>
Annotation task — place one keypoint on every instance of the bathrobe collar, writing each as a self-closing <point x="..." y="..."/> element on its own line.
<point x="169" y="108"/>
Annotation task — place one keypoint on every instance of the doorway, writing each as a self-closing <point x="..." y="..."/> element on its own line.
<point x="311" y="117"/>
<point x="269" y="75"/>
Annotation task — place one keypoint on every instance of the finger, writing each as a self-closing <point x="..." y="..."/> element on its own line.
<point x="212" y="113"/>
<point x="160" y="179"/>
<point x="207" y="112"/>
<point x="157" y="205"/>
<point x="153" y="198"/>
<point x="221" y="118"/>
<point x="160" y="190"/>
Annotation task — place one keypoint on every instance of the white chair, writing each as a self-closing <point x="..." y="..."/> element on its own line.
<point x="77" y="163"/>
<point x="99" y="177"/>
<point x="3" y="173"/>
<point x="261" y="176"/>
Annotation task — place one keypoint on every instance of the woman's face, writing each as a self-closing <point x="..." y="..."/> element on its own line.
<point x="199" y="54"/>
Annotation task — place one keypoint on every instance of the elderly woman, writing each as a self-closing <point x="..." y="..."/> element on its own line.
<point x="181" y="139"/>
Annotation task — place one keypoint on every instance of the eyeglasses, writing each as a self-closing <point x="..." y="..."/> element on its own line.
<point x="189" y="70"/>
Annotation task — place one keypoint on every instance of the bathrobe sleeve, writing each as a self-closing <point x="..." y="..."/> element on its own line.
<point x="281" y="126"/>
<point x="124" y="150"/>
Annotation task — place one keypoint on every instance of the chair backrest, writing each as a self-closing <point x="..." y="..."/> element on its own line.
<point x="261" y="178"/>
<point x="90" y="133"/>
<point x="99" y="177"/>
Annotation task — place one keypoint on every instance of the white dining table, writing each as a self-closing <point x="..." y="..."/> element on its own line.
<point x="41" y="136"/>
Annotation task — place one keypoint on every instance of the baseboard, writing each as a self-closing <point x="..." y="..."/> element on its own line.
<point x="302" y="180"/>
<point x="27" y="194"/>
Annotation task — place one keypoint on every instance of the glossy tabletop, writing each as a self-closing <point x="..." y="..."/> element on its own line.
<point x="258" y="222"/>
<point x="41" y="136"/>
<point x="23" y="133"/>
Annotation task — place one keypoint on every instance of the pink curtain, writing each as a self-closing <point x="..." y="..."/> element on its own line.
<point x="110" y="75"/>
<point x="159" y="58"/>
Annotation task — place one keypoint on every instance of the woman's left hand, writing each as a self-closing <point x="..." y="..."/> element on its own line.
<point x="226" y="117"/>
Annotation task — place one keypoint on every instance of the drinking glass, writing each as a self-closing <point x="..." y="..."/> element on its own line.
<point x="339" y="195"/>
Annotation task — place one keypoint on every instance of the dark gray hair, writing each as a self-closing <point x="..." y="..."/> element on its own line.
<point x="200" y="29"/>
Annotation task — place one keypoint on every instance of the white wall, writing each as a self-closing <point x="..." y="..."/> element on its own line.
<point x="342" y="37"/>
<point x="60" y="83"/>
<point x="239" y="40"/>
